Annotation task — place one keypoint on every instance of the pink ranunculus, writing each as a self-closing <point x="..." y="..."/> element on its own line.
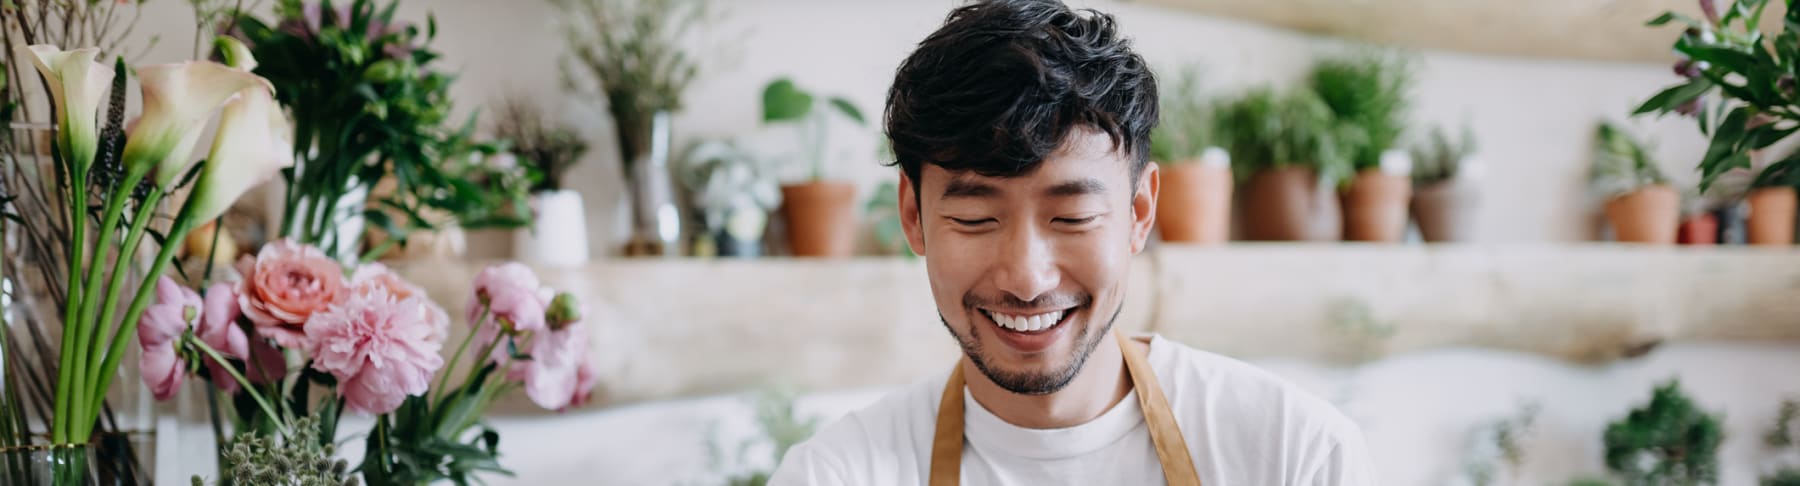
<point x="177" y="309"/>
<point x="553" y="374"/>
<point x="284" y="285"/>
<point x="380" y="349"/>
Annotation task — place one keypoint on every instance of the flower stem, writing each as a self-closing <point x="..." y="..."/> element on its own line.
<point x="184" y="222"/>
<point x="243" y="383"/>
<point x="109" y="222"/>
<point x="457" y="356"/>
<point x="67" y="393"/>
<point x="116" y="284"/>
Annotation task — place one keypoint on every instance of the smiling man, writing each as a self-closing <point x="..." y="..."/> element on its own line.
<point x="1021" y="129"/>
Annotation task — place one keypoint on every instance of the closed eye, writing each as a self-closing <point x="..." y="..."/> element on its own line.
<point x="1077" y="221"/>
<point x="970" y="223"/>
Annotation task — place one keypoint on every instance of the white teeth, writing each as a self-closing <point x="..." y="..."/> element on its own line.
<point x="1027" y="323"/>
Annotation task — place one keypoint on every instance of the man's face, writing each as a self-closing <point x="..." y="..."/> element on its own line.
<point x="1029" y="272"/>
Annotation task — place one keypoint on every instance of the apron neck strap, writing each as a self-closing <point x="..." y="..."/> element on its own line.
<point x="1165" y="434"/>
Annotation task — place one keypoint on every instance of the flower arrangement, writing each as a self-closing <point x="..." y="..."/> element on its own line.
<point x="103" y="172"/>
<point x="368" y="105"/>
<point x="296" y="322"/>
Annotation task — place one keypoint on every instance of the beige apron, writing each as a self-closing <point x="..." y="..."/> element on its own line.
<point x="1171" y="449"/>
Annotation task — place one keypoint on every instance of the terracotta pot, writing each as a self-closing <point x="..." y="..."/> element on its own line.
<point x="1375" y="207"/>
<point x="1772" y="216"/>
<point x="1699" y="229"/>
<point x="821" y="218"/>
<point x="1647" y="215"/>
<point x="1288" y="204"/>
<point x="1195" y="204"/>
<point x="1445" y="211"/>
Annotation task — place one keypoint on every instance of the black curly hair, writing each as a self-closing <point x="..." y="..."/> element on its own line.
<point x="1002" y="84"/>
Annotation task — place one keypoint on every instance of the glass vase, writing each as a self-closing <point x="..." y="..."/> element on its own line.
<point x="655" y="220"/>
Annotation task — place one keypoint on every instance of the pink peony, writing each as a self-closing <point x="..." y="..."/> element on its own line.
<point x="586" y="377"/>
<point x="512" y="296"/>
<point x="219" y="330"/>
<point x="380" y="348"/>
<point x="553" y="375"/>
<point x="176" y="310"/>
<point x="284" y="285"/>
<point x="375" y="275"/>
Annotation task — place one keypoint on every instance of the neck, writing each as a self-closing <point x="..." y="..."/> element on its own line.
<point x="1101" y="384"/>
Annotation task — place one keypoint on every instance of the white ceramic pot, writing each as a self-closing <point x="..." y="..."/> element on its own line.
<point x="558" y="233"/>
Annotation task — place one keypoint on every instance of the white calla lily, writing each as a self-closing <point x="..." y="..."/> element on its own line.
<point x="77" y="87"/>
<point x="251" y="146"/>
<point x="178" y="98"/>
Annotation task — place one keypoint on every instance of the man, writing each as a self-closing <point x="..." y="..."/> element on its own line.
<point x="1021" y="128"/>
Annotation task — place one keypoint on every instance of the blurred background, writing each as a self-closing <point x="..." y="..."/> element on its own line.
<point x="1487" y="231"/>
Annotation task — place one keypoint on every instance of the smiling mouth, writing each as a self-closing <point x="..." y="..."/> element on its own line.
<point x="1030" y="323"/>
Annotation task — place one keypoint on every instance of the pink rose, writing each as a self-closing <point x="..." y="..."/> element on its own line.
<point x="380" y="349"/>
<point x="176" y="310"/>
<point x="284" y="285"/>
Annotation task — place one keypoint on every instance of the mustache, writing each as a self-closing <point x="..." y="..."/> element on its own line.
<point x="1007" y="301"/>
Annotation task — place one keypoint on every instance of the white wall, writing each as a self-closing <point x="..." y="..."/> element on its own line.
<point x="1534" y="117"/>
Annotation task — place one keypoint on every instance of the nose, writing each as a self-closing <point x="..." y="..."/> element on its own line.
<point x="1026" y="267"/>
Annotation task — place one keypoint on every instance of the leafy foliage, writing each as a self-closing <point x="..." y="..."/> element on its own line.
<point x="366" y="105"/>
<point x="633" y="50"/>
<point x="779" y="428"/>
<point x="1440" y="157"/>
<point x="1367" y="92"/>
<point x="1621" y="163"/>
<point x="550" y="148"/>
<point x="1669" y="441"/>
<point x="1739" y="85"/>
<point x="1187" y="125"/>
<point x="427" y="440"/>
<point x="1265" y="130"/>
<point x="1784" y="436"/>
<point x="785" y="102"/>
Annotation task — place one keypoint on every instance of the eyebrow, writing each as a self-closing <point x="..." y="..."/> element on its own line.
<point x="968" y="189"/>
<point x="1077" y="187"/>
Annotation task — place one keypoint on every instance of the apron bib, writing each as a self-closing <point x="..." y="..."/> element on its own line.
<point x="1171" y="448"/>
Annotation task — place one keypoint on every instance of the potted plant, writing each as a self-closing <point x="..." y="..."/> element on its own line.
<point x="1443" y="203"/>
<point x="1640" y="204"/>
<point x="1367" y="94"/>
<point x="635" y="52"/>
<point x="1739" y="85"/>
<point x="1286" y="149"/>
<point x="1195" y="203"/>
<point x="558" y="235"/>
<point x="733" y="190"/>
<point x="821" y="213"/>
<point x="1670" y="440"/>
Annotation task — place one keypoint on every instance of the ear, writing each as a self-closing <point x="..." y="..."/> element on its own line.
<point x="1143" y="207"/>
<point x="909" y="215"/>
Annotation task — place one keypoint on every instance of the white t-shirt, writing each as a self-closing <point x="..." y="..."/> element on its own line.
<point x="1244" y="427"/>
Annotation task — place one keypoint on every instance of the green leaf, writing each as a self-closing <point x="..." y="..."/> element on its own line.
<point x="1674" y="96"/>
<point x="784" y="101"/>
<point x="848" y="109"/>
<point x="1726" y="138"/>
<point x="1667" y="17"/>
